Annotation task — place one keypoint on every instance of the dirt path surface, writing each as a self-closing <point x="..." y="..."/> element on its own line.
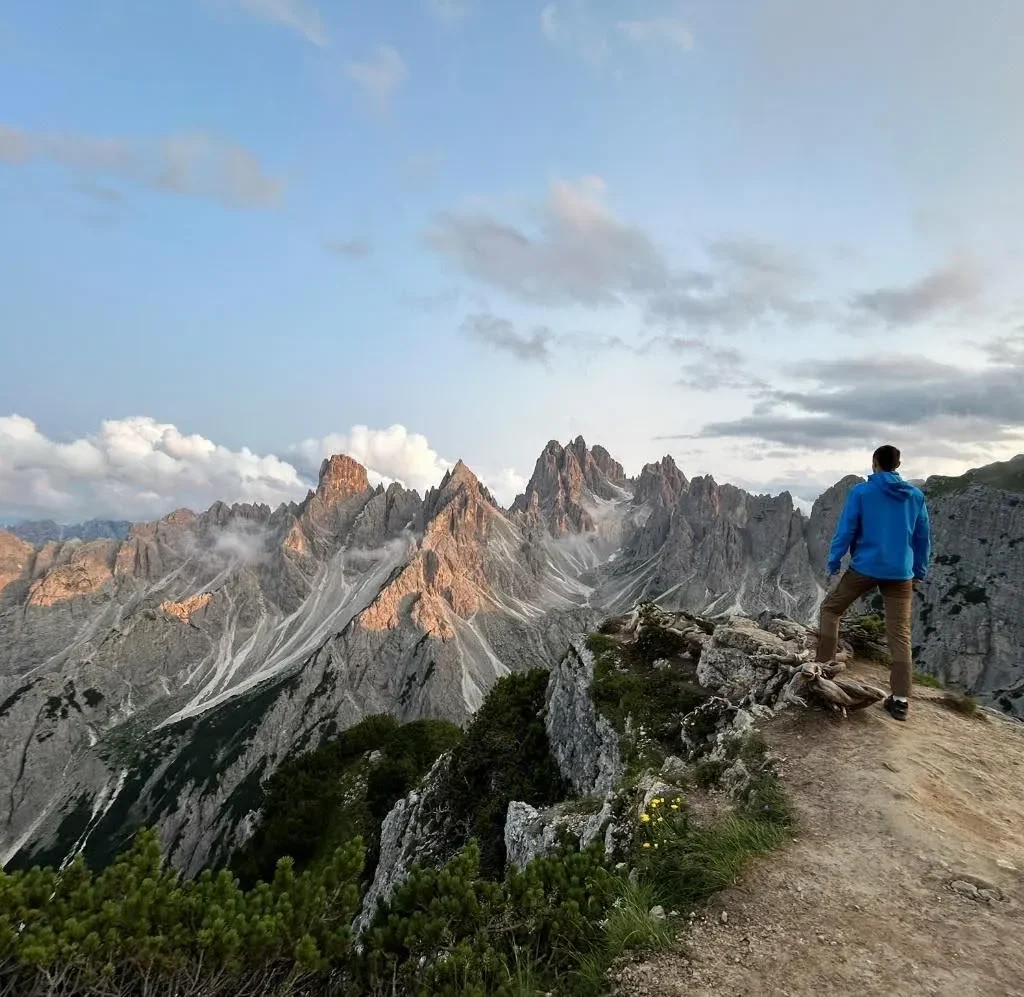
<point x="878" y="893"/>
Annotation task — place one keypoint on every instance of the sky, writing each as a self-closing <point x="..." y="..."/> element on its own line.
<point x="763" y="236"/>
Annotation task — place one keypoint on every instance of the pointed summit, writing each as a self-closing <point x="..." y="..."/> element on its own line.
<point x="565" y="480"/>
<point x="461" y="484"/>
<point x="660" y="484"/>
<point x="327" y="514"/>
<point x="341" y="476"/>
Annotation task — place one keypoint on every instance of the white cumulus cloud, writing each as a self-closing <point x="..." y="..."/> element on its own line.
<point x="140" y="469"/>
<point x="392" y="454"/>
<point x="135" y="468"/>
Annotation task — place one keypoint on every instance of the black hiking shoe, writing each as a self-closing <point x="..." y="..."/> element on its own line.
<point x="896" y="709"/>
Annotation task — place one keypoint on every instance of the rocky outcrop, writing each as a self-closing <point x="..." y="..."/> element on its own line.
<point x="185" y="609"/>
<point x="531" y="833"/>
<point x="73" y="569"/>
<point x="15" y="559"/>
<point x="414" y="832"/>
<point x="583" y="743"/>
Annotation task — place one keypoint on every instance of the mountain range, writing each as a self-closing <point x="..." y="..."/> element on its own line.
<point x="158" y="676"/>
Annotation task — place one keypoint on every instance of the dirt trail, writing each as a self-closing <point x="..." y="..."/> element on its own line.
<point x="862" y="901"/>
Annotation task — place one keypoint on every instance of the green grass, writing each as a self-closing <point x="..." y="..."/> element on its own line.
<point x="928" y="681"/>
<point x="628" y="928"/>
<point x="693" y="863"/>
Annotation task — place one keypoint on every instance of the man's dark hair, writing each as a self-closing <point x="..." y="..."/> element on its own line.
<point x="887" y="457"/>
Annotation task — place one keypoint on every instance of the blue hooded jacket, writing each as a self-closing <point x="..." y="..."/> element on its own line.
<point x="885" y="527"/>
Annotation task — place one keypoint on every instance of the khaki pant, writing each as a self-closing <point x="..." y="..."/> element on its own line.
<point x="899" y="600"/>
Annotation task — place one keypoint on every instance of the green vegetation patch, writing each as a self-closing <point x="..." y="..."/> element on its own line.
<point x="634" y="694"/>
<point x="325" y="797"/>
<point x="505" y="756"/>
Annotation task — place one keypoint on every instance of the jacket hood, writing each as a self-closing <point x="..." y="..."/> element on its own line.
<point x="892" y="485"/>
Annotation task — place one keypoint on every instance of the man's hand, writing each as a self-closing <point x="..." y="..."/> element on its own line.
<point x="833" y="582"/>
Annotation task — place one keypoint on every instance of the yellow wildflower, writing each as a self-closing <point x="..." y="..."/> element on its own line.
<point x="661" y="820"/>
<point x="647" y="844"/>
<point x="675" y="806"/>
<point x="645" y="818"/>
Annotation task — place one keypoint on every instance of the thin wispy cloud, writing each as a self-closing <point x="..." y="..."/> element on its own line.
<point x="948" y="287"/>
<point x="195" y="164"/>
<point x="296" y="15"/>
<point x="500" y="334"/>
<point x="672" y="31"/>
<point x="352" y="249"/>
<point x="380" y="75"/>
<point x="571" y="24"/>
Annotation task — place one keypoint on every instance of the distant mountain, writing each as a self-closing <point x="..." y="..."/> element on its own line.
<point x="41" y="531"/>
<point x="161" y="676"/>
<point x="1007" y="475"/>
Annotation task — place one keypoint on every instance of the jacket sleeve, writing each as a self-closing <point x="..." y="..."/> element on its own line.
<point x="846" y="532"/>
<point x="922" y="543"/>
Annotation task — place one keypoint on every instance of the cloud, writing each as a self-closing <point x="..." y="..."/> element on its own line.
<point x="569" y="23"/>
<point x="352" y="249"/>
<point x="395" y="454"/>
<point x="141" y="469"/>
<point x="450" y="11"/>
<point x="392" y="454"/>
<point x="709" y="367"/>
<point x="668" y="30"/>
<point x="135" y="468"/>
<point x="505" y="485"/>
<point x="940" y="290"/>
<point x="937" y="408"/>
<point x="380" y="75"/>
<point x="580" y="253"/>
<point x="501" y="335"/>
<point x="746" y="282"/>
<point x="297" y="15"/>
<point x="195" y="164"/>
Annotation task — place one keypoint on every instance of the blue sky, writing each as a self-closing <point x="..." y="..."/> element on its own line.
<point x="762" y="236"/>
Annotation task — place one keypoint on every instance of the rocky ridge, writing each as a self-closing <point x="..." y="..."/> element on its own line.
<point x="256" y="632"/>
<point x="741" y="665"/>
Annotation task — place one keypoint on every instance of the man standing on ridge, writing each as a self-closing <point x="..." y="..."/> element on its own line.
<point x="885" y="527"/>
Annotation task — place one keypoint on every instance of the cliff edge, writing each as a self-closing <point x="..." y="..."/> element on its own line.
<point x="905" y="874"/>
